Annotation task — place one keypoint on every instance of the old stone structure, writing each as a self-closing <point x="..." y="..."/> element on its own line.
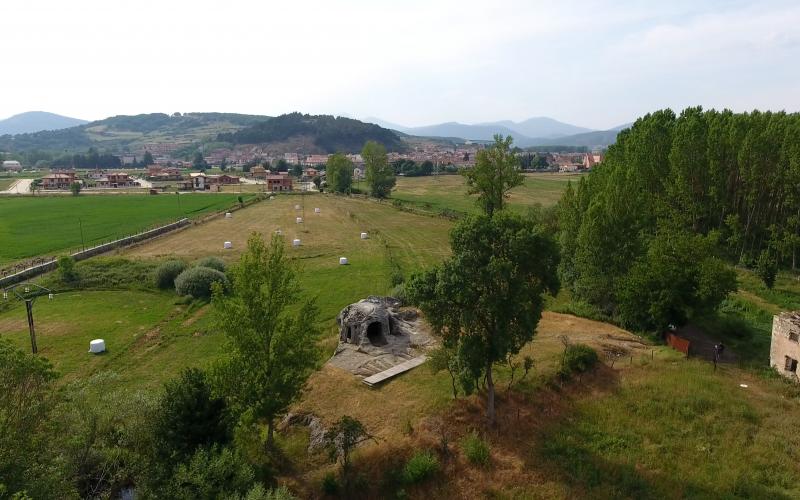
<point x="784" y="352"/>
<point x="377" y="333"/>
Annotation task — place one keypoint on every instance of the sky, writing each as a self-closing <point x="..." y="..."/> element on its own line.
<point x="596" y="64"/>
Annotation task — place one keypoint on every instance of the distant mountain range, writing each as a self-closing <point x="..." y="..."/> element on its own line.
<point x="538" y="131"/>
<point x="36" y="121"/>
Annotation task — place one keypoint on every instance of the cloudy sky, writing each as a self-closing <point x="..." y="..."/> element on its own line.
<point x="415" y="62"/>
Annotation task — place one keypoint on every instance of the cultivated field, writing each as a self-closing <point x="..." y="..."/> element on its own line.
<point x="449" y="192"/>
<point x="46" y="225"/>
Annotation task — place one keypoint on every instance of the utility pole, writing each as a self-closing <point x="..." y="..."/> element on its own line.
<point x="30" y="292"/>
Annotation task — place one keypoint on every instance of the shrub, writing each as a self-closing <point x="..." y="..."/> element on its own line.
<point x="577" y="358"/>
<point x="767" y="269"/>
<point x="399" y="292"/>
<point x="167" y="272"/>
<point x="330" y="485"/>
<point x="421" y="466"/>
<point x="66" y="269"/>
<point x="397" y="277"/>
<point x="197" y="281"/>
<point x="475" y="449"/>
<point x="214" y="473"/>
<point x="213" y="263"/>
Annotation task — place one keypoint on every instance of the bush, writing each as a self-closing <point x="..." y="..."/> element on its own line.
<point x="66" y="269"/>
<point x="215" y="473"/>
<point x="330" y="485"/>
<point x="421" y="466"/>
<point x="577" y="358"/>
<point x="767" y="269"/>
<point x="197" y="281"/>
<point x="475" y="449"/>
<point x="167" y="272"/>
<point x="399" y="292"/>
<point x="212" y="263"/>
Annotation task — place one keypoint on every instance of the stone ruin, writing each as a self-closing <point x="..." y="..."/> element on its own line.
<point x="377" y="333"/>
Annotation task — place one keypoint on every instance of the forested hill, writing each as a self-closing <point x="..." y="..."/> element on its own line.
<point x="328" y="133"/>
<point x="645" y="238"/>
<point x="125" y="132"/>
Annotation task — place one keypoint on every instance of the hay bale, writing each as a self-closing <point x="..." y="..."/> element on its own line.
<point x="227" y="245"/>
<point x="343" y="261"/>
<point x="97" y="346"/>
<point x="296" y="242"/>
<point x="364" y="236"/>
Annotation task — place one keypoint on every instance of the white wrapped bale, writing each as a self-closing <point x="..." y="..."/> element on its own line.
<point x="299" y="220"/>
<point x="316" y="210"/>
<point x="227" y="245"/>
<point x="364" y="236"/>
<point x="342" y="261"/>
<point x="97" y="346"/>
<point x="295" y="242"/>
<point x="228" y="215"/>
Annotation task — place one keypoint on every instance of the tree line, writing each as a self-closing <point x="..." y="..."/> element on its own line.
<point x="646" y="236"/>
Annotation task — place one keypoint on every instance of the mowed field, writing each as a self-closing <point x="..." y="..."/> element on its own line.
<point x="49" y="225"/>
<point x="449" y="192"/>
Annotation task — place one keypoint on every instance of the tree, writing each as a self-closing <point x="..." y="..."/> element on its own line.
<point x="339" y="173"/>
<point x="75" y="188"/>
<point x="342" y="438"/>
<point x="380" y="175"/>
<point x="198" y="162"/>
<point x="26" y="400"/>
<point x="148" y="159"/>
<point x="271" y="333"/>
<point x="495" y="173"/>
<point x="297" y="171"/>
<point x="188" y="417"/>
<point x="281" y="165"/>
<point x="486" y="299"/>
<point x="767" y="269"/>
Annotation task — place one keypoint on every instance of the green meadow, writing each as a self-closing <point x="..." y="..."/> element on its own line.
<point x="48" y="225"/>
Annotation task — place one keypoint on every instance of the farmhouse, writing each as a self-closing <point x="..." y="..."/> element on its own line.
<point x="58" y="180"/>
<point x="223" y="179"/>
<point x="115" y="180"/>
<point x="155" y="173"/>
<point x="259" y="172"/>
<point x="198" y="181"/>
<point x="279" y="182"/>
<point x="784" y="353"/>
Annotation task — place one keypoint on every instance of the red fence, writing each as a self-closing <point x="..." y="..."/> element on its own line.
<point x="678" y="343"/>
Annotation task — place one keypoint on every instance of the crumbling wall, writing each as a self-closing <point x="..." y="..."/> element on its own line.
<point x="784" y="354"/>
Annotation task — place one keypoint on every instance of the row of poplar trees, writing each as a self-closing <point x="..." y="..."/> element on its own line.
<point x="648" y="236"/>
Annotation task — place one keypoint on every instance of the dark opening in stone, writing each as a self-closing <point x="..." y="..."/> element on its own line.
<point x="375" y="334"/>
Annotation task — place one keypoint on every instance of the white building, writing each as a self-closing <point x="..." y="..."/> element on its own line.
<point x="12" y="165"/>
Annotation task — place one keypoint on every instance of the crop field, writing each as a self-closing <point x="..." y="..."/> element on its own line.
<point x="449" y="192"/>
<point x="46" y="225"/>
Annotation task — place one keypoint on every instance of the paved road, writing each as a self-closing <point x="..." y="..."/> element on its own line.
<point x="22" y="186"/>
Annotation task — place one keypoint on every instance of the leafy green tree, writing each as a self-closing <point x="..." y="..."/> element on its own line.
<point x="210" y="473"/>
<point x="27" y="398"/>
<point x="342" y="438"/>
<point x="379" y="174"/>
<point x="297" y="171"/>
<point x="495" y="173"/>
<point x="148" y="159"/>
<point x="188" y="417"/>
<point x="271" y="333"/>
<point x="486" y="299"/>
<point x="75" y="188"/>
<point x="678" y="278"/>
<point x="339" y="173"/>
<point x="281" y="165"/>
<point x="198" y="162"/>
<point x="767" y="269"/>
<point x="66" y="269"/>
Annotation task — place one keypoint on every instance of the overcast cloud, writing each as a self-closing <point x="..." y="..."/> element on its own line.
<point x="592" y="63"/>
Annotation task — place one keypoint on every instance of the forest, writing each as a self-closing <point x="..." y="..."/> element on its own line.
<point x="647" y="236"/>
<point x="331" y="134"/>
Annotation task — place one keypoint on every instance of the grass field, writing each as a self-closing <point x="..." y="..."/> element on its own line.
<point x="46" y="225"/>
<point x="449" y="192"/>
<point x="650" y="424"/>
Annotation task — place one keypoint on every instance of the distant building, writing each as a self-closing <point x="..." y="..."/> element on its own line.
<point x="259" y="172"/>
<point x="12" y="165"/>
<point x="198" y="181"/>
<point x="292" y="158"/>
<point x="591" y="159"/>
<point x="784" y="352"/>
<point x="58" y="180"/>
<point x="222" y="180"/>
<point x="315" y="160"/>
<point x="279" y="182"/>
<point x="115" y="180"/>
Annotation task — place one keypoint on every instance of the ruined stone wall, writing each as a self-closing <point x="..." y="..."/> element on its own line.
<point x="785" y="331"/>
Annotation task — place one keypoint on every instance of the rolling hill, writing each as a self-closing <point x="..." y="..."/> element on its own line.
<point x="36" y="121"/>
